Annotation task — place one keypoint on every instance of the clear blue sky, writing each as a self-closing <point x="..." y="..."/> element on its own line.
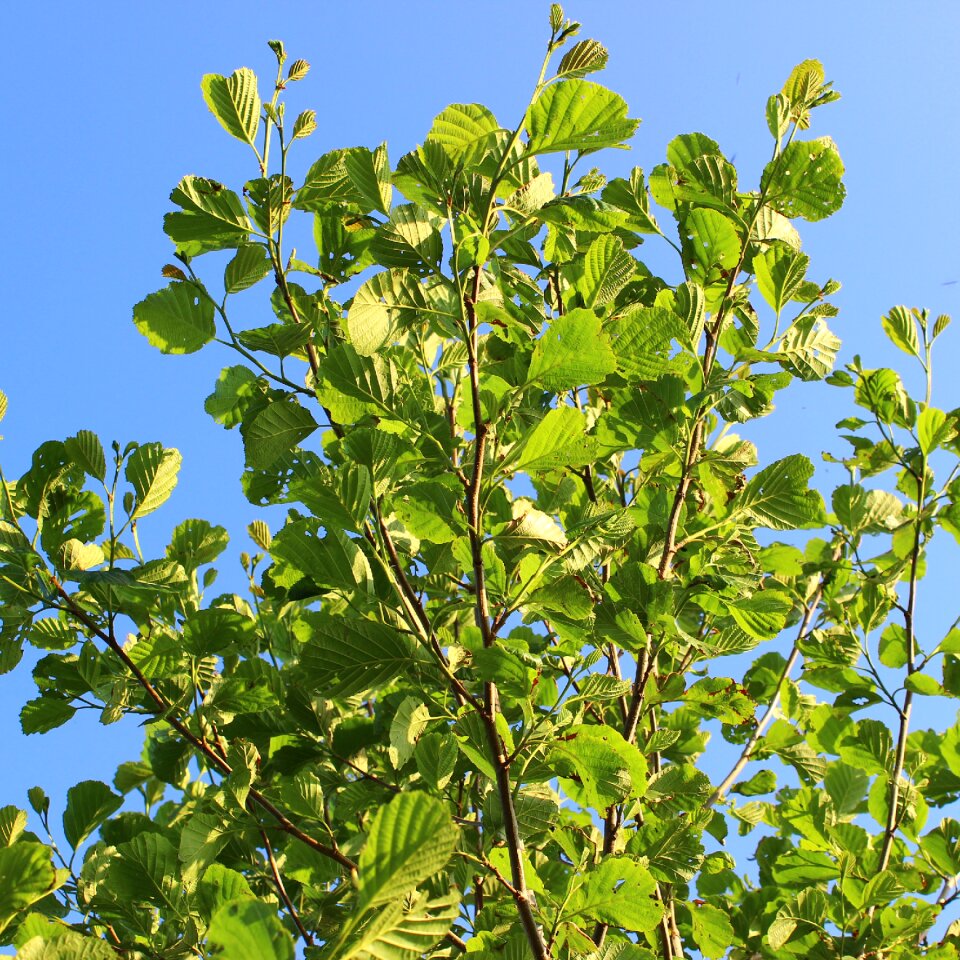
<point x="103" y="115"/>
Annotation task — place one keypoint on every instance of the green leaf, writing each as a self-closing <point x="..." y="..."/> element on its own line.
<point x="712" y="930"/>
<point x="278" y="339"/>
<point x="12" y="824"/>
<point x="846" y="786"/>
<point x="607" y="268"/>
<point x="601" y="763"/>
<point x="86" y="450"/>
<point x="933" y="428"/>
<point x="196" y="542"/>
<point x="643" y="340"/>
<point x="347" y="656"/>
<point x="369" y="172"/>
<point x="866" y="511"/>
<point x="711" y="244"/>
<point x="235" y="390"/>
<point x="26" y="875"/>
<point x="63" y="944"/>
<point x="804" y="181"/>
<point x="89" y="803"/>
<point x="382" y="304"/>
<point x="778" y="498"/>
<point x="941" y="847"/>
<point x="249" y="930"/>
<point x="211" y="217"/>
<point x="429" y="511"/>
<point x="176" y="319"/>
<point x="250" y="264"/>
<point x="463" y="130"/>
<point x="763" y="781"/>
<point x="578" y="115"/>
<point x="763" y="615"/>
<point x="331" y="561"/>
<point x="573" y="351"/>
<point x="152" y="472"/>
<point x="619" y="892"/>
<point x="809" y="349"/>
<point x="558" y="440"/>
<point x="436" y="757"/>
<point x="403" y="930"/>
<point x="408" y="239"/>
<point x="923" y="684"/>
<point x="780" y="271"/>
<point x="234" y="101"/>
<point x="893" y="646"/>
<point x="277" y="429"/>
<point x="585" y="56"/>
<point x="410" y="839"/>
<point x="45" y="713"/>
<point x="900" y="326"/>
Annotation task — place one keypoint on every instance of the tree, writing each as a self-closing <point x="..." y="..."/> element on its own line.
<point x="465" y="705"/>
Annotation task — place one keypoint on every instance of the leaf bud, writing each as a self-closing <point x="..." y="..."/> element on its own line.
<point x="278" y="49"/>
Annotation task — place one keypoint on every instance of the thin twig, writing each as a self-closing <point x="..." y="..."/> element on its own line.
<point x="282" y="890"/>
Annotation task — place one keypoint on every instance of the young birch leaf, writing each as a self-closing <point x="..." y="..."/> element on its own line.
<point x="88" y="804"/>
<point x="152" y="472"/>
<point x="778" y="498"/>
<point x="274" y="431"/>
<point x="85" y="449"/>
<point x="249" y="930"/>
<point x="176" y="319"/>
<point x="804" y="181"/>
<point x="234" y="101"/>
<point x="585" y="56"/>
<point x="411" y="839"/>
<point x="572" y="352"/>
<point x="578" y="115"/>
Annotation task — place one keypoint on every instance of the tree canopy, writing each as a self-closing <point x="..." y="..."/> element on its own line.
<point x="467" y="702"/>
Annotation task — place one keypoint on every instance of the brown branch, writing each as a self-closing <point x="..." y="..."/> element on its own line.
<point x="731" y="778"/>
<point x="164" y="709"/>
<point x="522" y="897"/>
<point x="282" y="890"/>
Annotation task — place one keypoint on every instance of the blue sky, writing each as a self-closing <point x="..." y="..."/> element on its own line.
<point x="103" y="115"/>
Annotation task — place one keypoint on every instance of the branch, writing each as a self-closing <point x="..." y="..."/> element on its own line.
<point x="282" y="890"/>
<point x="164" y="709"/>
